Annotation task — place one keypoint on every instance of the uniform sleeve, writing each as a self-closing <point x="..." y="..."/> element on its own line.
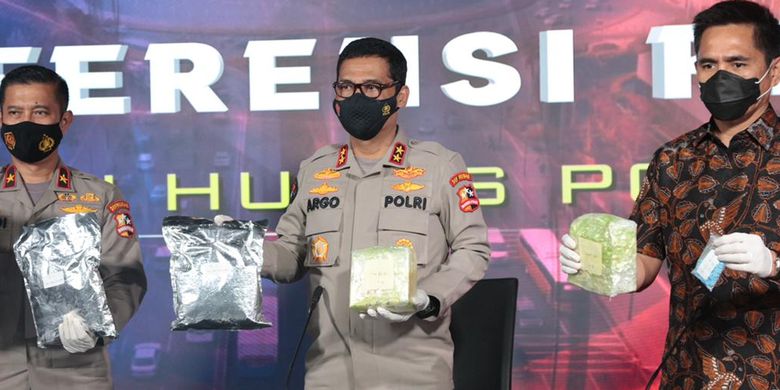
<point x="120" y="264"/>
<point x="466" y="234"/>
<point x="650" y="213"/>
<point x="283" y="258"/>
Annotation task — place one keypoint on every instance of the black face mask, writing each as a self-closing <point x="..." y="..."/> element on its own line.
<point x="728" y="96"/>
<point x="363" y="117"/>
<point x="31" y="142"/>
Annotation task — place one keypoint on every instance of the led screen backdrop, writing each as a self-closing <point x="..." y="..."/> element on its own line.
<point x="206" y="107"/>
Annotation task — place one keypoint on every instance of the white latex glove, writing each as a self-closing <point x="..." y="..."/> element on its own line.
<point x="744" y="252"/>
<point x="74" y="334"/>
<point x="570" y="260"/>
<point x="220" y="219"/>
<point x="421" y="301"/>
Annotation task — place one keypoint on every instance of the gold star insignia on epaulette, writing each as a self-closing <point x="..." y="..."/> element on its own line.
<point x="399" y="151"/>
<point x="64" y="179"/>
<point x="342" y="160"/>
<point x="10" y="179"/>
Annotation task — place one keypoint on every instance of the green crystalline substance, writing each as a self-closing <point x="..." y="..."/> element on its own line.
<point x="607" y="245"/>
<point x="383" y="276"/>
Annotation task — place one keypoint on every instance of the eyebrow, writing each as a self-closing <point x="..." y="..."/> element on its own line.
<point x="371" y="81"/>
<point x="737" y="58"/>
<point x="35" y="107"/>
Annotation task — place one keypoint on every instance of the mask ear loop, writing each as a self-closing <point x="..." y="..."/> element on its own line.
<point x="771" y="64"/>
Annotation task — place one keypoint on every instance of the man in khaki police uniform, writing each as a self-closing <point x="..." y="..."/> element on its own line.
<point x="38" y="186"/>
<point x="380" y="189"/>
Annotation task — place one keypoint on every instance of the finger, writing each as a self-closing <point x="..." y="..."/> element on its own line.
<point x="569" y="241"/>
<point x="735" y="258"/>
<point x="569" y="270"/>
<point x="570" y="254"/>
<point x="362" y="316"/>
<point x="730" y="249"/>
<point x="371" y="312"/>
<point x="739" y="267"/>
<point x="729" y="239"/>
<point x="388" y="314"/>
<point x="575" y="265"/>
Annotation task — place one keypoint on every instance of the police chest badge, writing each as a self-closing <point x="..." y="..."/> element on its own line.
<point x="319" y="250"/>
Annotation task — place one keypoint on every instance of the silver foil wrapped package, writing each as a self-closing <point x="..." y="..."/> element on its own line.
<point x="59" y="259"/>
<point x="215" y="273"/>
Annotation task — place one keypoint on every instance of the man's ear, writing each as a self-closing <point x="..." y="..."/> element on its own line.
<point x="66" y="121"/>
<point x="403" y="96"/>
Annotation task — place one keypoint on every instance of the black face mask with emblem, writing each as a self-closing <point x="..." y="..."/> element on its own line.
<point x="31" y="142"/>
<point x="364" y="117"/>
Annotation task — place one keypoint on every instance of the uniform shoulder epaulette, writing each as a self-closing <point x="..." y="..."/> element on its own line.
<point x="324" y="151"/>
<point x="91" y="178"/>
<point x="429" y="146"/>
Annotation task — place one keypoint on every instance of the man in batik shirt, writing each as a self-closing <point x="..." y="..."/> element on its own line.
<point x="722" y="178"/>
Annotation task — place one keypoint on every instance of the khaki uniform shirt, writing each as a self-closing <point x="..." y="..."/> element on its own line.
<point x="418" y="195"/>
<point x="70" y="191"/>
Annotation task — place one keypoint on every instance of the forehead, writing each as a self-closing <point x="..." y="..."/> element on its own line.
<point x="729" y="41"/>
<point x="38" y="94"/>
<point x="365" y="68"/>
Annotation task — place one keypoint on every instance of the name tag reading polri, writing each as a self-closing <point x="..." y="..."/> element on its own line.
<point x="708" y="267"/>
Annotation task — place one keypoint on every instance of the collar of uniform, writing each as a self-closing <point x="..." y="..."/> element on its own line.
<point x="397" y="155"/>
<point x="762" y="130"/>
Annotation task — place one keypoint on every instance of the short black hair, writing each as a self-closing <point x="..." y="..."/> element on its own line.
<point x="766" y="32"/>
<point x="31" y="74"/>
<point x="375" y="47"/>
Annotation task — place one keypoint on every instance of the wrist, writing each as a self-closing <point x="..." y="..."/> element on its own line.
<point x="775" y="264"/>
<point x="432" y="310"/>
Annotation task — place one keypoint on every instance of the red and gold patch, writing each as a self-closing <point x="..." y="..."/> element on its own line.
<point x="64" y="179"/>
<point x="399" y="153"/>
<point x="343" y="156"/>
<point x="459" y="177"/>
<point x="124" y="225"/>
<point x="118" y="205"/>
<point x="468" y="199"/>
<point x="9" y="179"/>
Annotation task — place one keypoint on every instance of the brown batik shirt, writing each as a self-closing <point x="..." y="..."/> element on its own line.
<point x="727" y="336"/>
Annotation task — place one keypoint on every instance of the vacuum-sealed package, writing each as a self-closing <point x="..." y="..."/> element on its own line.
<point x="215" y="273"/>
<point x="708" y="268"/>
<point x="383" y="276"/>
<point x="607" y="247"/>
<point x="59" y="259"/>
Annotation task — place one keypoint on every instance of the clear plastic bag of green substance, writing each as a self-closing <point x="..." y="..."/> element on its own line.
<point x="607" y="247"/>
<point x="383" y="276"/>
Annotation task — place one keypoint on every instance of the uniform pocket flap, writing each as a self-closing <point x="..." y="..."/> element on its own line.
<point x="413" y="221"/>
<point x="323" y="221"/>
